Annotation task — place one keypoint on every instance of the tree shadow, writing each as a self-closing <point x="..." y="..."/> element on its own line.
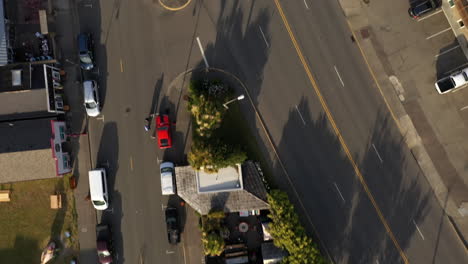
<point x="156" y="94"/>
<point x="322" y="182"/>
<point x="30" y="248"/>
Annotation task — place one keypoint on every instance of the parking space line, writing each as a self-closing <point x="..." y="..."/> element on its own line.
<point x="438" y="33"/>
<point x="426" y="17"/>
<point x="305" y="2"/>
<point x="300" y="115"/>
<point x="264" y="38"/>
<point x="447" y="51"/>
<point x="464" y="108"/>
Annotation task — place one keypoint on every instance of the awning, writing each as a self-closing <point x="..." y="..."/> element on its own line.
<point x="3" y="37"/>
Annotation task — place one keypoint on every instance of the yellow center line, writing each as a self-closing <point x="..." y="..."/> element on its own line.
<point x="121" y="65"/>
<point x="338" y="133"/>
<point x="131" y="163"/>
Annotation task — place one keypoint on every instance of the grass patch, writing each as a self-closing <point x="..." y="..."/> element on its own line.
<point x="28" y="223"/>
<point x="236" y="131"/>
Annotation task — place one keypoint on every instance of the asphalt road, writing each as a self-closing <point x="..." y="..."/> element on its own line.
<point x="141" y="48"/>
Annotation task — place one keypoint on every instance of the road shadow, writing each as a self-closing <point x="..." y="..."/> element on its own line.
<point x="107" y="157"/>
<point x="336" y="203"/>
<point x="239" y="48"/>
<point x="156" y="93"/>
<point x="449" y="59"/>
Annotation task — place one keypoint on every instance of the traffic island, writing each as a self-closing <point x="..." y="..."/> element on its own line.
<point x="174" y="5"/>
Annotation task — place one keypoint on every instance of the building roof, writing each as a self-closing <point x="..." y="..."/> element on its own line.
<point x="23" y="92"/>
<point x="252" y="197"/>
<point x="25" y="152"/>
<point x="226" y="179"/>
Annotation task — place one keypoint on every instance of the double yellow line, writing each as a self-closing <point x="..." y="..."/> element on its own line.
<point x="338" y="133"/>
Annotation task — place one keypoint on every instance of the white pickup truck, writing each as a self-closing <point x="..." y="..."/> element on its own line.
<point x="452" y="82"/>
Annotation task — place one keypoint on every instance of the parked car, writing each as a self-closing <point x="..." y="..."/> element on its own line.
<point x="91" y="98"/>
<point x="167" y="178"/>
<point x="104" y="243"/>
<point x="163" y="131"/>
<point x="172" y="224"/>
<point x="422" y="8"/>
<point x="86" y="51"/>
<point x="98" y="188"/>
<point x="452" y="82"/>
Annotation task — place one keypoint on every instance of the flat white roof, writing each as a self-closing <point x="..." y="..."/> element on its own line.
<point x="227" y="179"/>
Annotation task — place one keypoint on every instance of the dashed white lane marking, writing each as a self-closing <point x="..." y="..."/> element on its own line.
<point x="426" y="17"/>
<point x="202" y="53"/>
<point x="438" y="33"/>
<point x="376" y="152"/>
<point x="447" y="51"/>
<point x="264" y="38"/>
<point x="339" y="77"/>
<point x="305" y="3"/>
<point x="131" y="163"/>
<point x="420" y="233"/>
<point x="339" y="192"/>
<point x="300" y="115"/>
<point x="121" y="66"/>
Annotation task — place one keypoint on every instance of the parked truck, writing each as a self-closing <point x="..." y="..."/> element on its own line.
<point x="104" y="243"/>
<point x="452" y="82"/>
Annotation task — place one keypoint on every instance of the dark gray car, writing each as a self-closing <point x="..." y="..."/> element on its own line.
<point x="85" y="47"/>
<point x="172" y="223"/>
<point x="422" y="8"/>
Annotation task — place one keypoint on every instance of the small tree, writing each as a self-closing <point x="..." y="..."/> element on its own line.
<point x="213" y="155"/>
<point x="213" y="244"/>
<point x="288" y="233"/>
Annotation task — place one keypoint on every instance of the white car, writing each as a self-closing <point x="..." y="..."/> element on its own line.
<point x="167" y="178"/>
<point x="91" y="98"/>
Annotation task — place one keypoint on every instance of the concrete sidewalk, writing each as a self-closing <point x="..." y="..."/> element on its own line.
<point x="65" y="18"/>
<point x="435" y="133"/>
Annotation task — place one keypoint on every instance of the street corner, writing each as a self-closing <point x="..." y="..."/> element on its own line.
<point x="174" y="5"/>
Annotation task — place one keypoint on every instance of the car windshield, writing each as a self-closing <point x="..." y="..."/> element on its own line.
<point x="163" y="128"/>
<point x="164" y="142"/>
<point x="98" y="203"/>
<point x="85" y="58"/>
<point x="167" y="169"/>
<point x="104" y="253"/>
<point x="90" y="105"/>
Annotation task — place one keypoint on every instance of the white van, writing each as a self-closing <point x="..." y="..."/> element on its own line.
<point x="98" y="189"/>
<point x="167" y="178"/>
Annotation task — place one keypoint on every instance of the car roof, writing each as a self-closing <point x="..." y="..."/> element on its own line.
<point x="95" y="184"/>
<point x="88" y="91"/>
<point x="460" y="78"/>
<point x="83" y="42"/>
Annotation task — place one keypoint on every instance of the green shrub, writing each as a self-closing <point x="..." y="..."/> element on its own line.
<point x="288" y="233"/>
<point x="213" y="244"/>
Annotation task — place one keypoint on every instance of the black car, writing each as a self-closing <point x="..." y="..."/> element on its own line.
<point x="172" y="223"/>
<point x="85" y="47"/>
<point x="422" y="8"/>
